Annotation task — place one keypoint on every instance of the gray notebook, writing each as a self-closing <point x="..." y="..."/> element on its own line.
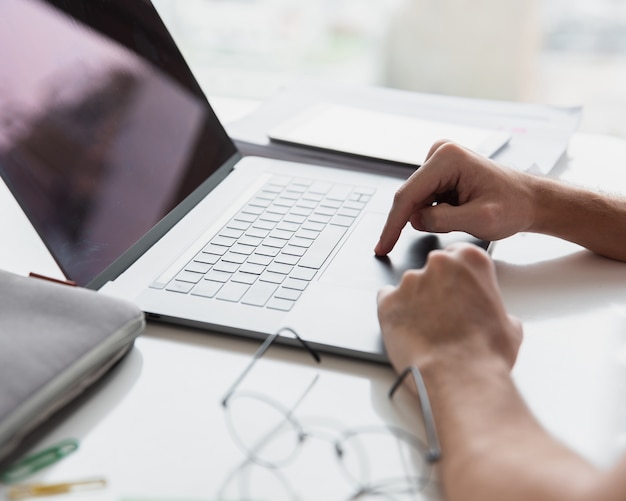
<point x="55" y="342"/>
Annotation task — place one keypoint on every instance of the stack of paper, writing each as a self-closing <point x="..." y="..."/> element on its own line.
<point x="524" y="136"/>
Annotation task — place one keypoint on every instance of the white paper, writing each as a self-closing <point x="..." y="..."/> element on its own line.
<point x="385" y="136"/>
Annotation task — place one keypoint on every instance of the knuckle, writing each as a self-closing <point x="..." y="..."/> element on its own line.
<point x="491" y="216"/>
<point x="438" y="259"/>
<point x="411" y="276"/>
<point x="451" y="150"/>
<point x="475" y="256"/>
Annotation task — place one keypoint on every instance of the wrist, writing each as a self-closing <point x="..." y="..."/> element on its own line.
<point x="459" y="365"/>
<point x="554" y="203"/>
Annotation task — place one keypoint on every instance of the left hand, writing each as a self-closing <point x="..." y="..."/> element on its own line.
<point x="450" y="310"/>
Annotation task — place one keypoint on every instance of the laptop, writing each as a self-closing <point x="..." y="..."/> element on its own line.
<point x="113" y="152"/>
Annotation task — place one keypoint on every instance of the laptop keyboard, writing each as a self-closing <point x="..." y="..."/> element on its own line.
<point x="268" y="253"/>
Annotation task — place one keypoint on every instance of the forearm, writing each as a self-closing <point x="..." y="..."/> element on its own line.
<point x="593" y="220"/>
<point x="492" y="447"/>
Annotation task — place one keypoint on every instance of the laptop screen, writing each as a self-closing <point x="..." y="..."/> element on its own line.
<point x="103" y="129"/>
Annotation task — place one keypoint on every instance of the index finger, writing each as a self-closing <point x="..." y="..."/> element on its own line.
<point x="401" y="209"/>
<point x="417" y="192"/>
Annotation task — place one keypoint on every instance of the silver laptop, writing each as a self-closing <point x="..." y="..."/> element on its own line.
<point x="115" y="155"/>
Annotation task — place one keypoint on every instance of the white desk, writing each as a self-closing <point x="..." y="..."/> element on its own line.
<point x="156" y="429"/>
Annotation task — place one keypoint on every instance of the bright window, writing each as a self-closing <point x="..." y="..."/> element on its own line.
<point x="562" y="52"/>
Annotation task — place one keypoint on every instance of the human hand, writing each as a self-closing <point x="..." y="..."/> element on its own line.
<point x="458" y="190"/>
<point x="450" y="310"/>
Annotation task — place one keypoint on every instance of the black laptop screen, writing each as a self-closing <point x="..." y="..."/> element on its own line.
<point x="103" y="129"/>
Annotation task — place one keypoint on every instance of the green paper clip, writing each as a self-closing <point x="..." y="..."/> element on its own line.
<point x="30" y="464"/>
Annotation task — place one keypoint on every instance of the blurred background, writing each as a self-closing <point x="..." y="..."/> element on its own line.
<point x="559" y="52"/>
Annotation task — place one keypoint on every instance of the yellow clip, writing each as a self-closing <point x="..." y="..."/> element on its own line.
<point x="23" y="491"/>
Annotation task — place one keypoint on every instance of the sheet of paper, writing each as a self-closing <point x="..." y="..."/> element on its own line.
<point x="375" y="134"/>
<point x="539" y="133"/>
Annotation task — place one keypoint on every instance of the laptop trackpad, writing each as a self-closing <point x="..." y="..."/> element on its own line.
<point x="355" y="265"/>
<point x="338" y="312"/>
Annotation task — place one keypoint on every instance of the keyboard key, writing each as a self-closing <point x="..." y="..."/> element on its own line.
<point x="296" y="188"/>
<point x="348" y="212"/>
<point x="223" y="241"/>
<point x="306" y="204"/>
<point x="219" y="250"/>
<point x="281" y="268"/>
<point x="354" y="205"/>
<point x="218" y="276"/>
<point x="255" y="269"/>
<point x="258" y="232"/>
<point x="226" y="267"/>
<point x="264" y="250"/>
<point x="253" y="209"/>
<point x="280" y="304"/>
<point x="178" y="286"/>
<point x="205" y="258"/>
<point x="333" y="204"/>
<point x="259" y="294"/>
<point x="274" y="278"/>
<point x="243" y="249"/>
<point x="244" y="278"/>
<point x="232" y="291"/>
<point x="231" y="233"/>
<point x="319" y="218"/>
<point x="249" y="240"/>
<point x="260" y="202"/>
<point x="294" y="283"/>
<point x="264" y="225"/>
<point x="287" y="226"/>
<point x="206" y="288"/>
<point x="291" y="195"/>
<point x="294" y="218"/>
<point x="271" y="217"/>
<point x="259" y="259"/>
<point x="301" y="181"/>
<point x="267" y="195"/>
<point x="277" y="184"/>
<point x="238" y="225"/>
<point x="325" y="211"/>
<point x="198" y="267"/>
<point x="342" y="221"/>
<point x="284" y="202"/>
<point x="277" y="209"/>
<point x="303" y="273"/>
<point x="233" y="257"/>
<point x="286" y="259"/>
<point x="313" y="226"/>
<point x="322" y="247"/>
<point x="189" y="276"/>
<point x="290" y="294"/>
<point x="246" y="217"/>
<point x="304" y="233"/>
<point x="315" y="197"/>
<point x="300" y="211"/>
<point x="274" y="242"/>
<point x="292" y="250"/>
<point x="301" y="242"/>
<point x="281" y="234"/>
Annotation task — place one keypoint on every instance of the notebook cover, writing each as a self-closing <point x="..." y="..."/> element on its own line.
<point x="55" y="342"/>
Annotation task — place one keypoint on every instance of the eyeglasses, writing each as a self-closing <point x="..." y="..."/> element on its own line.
<point x="270" y="435"/>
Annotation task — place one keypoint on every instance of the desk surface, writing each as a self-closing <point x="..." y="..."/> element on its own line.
<point x="155" y="429"/>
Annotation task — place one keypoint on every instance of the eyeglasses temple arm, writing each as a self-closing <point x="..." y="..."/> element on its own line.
<point x="434" y="448"/>
<point x="260" y="352"/>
